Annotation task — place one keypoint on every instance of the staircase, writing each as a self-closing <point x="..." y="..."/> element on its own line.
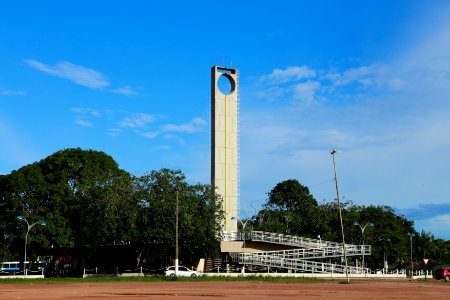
<point x="211" y="264"/>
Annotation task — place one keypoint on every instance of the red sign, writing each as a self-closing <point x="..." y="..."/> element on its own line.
<point x="425" y="261"/>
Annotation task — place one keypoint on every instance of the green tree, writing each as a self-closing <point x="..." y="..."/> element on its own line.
<point x="289" y="209"/>
<point x="82" y="195"/>
<point x="389" y="235"/>
<point x="90" y="193"/>
<point x="199" y="218"/>
<point x="291" y="196"/>
<point x="23" y="192"/>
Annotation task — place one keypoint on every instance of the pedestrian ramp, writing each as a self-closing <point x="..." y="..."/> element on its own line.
<point x="302" y="258"/>
<point x="312" y="253"/>
<point x="296" y="265"/>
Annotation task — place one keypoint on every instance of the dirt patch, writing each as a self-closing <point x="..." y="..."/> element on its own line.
<point x="230" y="290"/>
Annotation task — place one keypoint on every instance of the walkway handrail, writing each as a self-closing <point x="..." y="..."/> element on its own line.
<point x="297" y="264"/>
<point x="284" y="239"/>
<point x="311" y="253"/>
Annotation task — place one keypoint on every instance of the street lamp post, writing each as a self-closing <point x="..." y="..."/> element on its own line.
<point x="385" y="262"/>
<point x="26" y="239"/>
<point x="412" y="266"/>
<point x="333" y="152"/>
<point x="243" y="237"/>
<point x="176" y="232"/>
<point x="363" y="245"/>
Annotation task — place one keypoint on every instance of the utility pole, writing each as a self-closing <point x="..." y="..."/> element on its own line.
<point x="333" y="152"/>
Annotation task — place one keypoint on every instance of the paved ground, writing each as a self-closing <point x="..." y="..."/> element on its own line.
<point x="432" y="289"/>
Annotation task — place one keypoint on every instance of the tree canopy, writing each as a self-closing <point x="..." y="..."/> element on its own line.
<point x="291" y="209"/>
<point x="87" y="201"/>
<point x="97" y="212"/>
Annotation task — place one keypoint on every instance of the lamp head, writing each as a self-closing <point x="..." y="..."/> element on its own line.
<point x="20" y="217"/>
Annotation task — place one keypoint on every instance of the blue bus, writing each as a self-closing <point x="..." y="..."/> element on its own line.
<point x="16" y="266"/>
<point x="10" y="266"/>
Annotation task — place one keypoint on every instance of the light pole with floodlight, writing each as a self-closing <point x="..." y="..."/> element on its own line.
<point x="333" y="153"/>
<point x="243" y="224"/>
<point x="363" y="245"/>
<point x="26" y="239"/>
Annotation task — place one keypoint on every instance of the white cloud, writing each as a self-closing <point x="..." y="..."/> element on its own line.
<point x="138" y="120"/>
<point x="440" y="220"/>
<point x="139" y="123"/>
<point x="6" y="92"/>
<point x="199" y="121"/>
<point x="376" y="73"/>
<point x="77" y="74"/>
<point x="85" y="116"/>
<point x="360" y="74"/>
<point x="291" y="73"/>
<point x="195" y="125"/>
<point x="87" y="112"/>
<point x="308" y="86"/>
<point x="126" y="90"/>
<point x="150" y="134"/>
<point x="84" y="123"/>
<point x="397" y="83"/>
<point x="305" y="92"/>
<point x="437" y="226"/>
<point x="273" y="92"/>
<point x="347" y="86"/>
<point x="114" y="132"/>
<point x="176" y="138"/>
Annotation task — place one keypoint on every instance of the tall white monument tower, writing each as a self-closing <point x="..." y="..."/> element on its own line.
<point x="225" y="141"/>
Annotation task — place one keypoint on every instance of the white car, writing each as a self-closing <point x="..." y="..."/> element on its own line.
<point x="182" y="271"/>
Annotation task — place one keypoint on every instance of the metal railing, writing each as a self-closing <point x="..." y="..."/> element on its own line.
<point x="312" y="253"/>
<point x="291" y="240"/>
<point x="293" y="264"/>
<point x="298" y="259"/>
<point x="285" y="239"/>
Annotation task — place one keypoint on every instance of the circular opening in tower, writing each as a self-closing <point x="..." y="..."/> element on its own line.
<point x="226" y="84"/>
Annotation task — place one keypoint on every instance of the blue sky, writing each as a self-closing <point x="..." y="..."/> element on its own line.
<point x="132" y="78"/>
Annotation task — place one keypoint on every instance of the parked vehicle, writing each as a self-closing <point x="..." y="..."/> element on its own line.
<point x="442" y="273"/>
<point x="182" y="271"/>
<point x="7" y="266"/>
<point x="10" y="266"/>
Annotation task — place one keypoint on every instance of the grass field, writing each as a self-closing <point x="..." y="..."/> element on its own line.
<point x="106" y="279"/>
